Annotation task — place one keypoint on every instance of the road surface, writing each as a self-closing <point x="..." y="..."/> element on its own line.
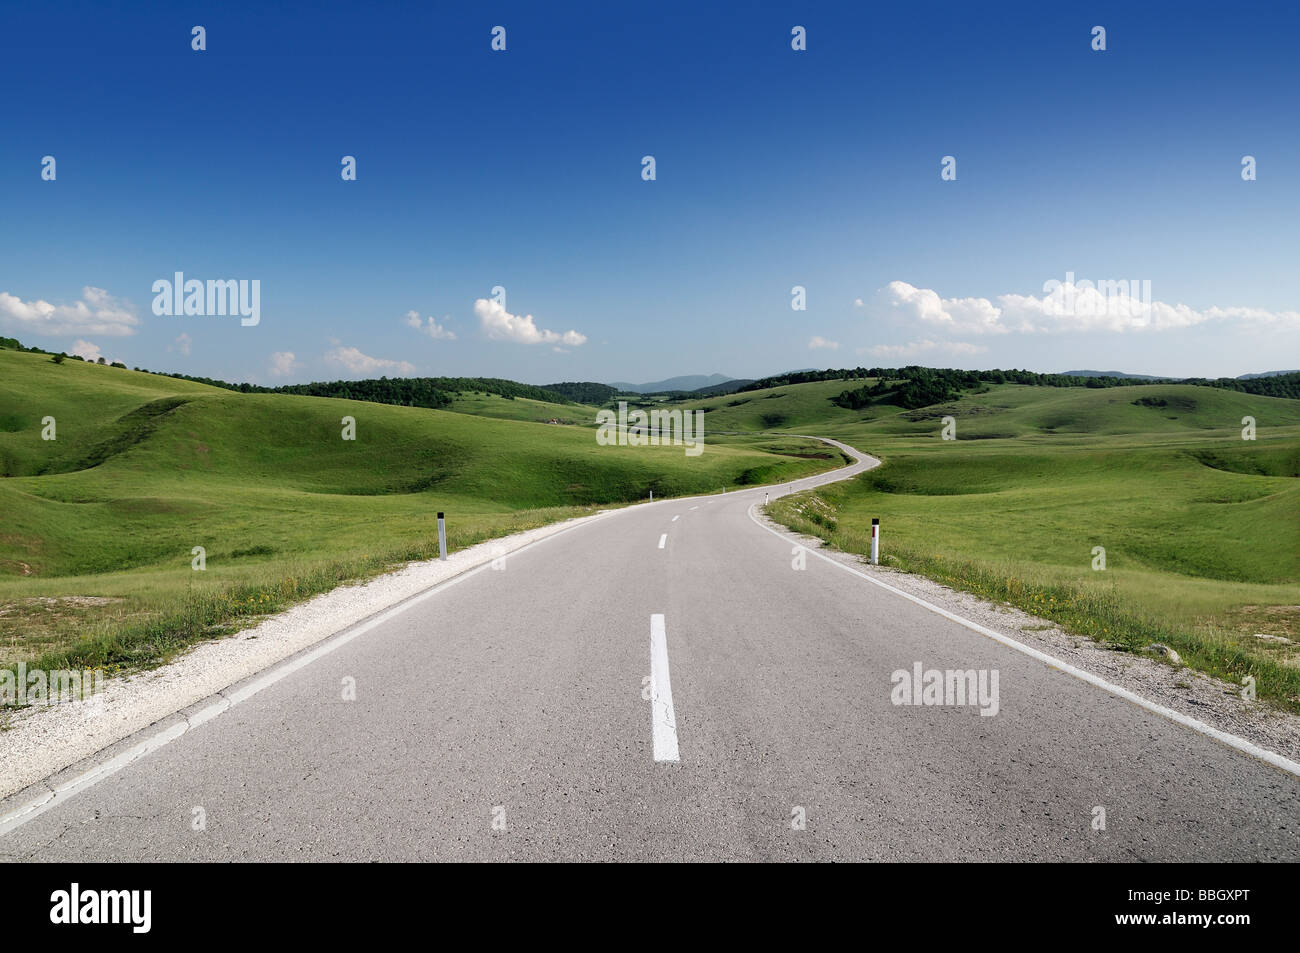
<point x="535" y="712"/>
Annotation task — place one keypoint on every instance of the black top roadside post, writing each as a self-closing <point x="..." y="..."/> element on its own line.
<point x="442" y="537"/>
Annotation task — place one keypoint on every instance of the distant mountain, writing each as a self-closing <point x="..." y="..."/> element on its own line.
<point x="1144" y="377"/>
<point x="688" y="382"/>
<point x="1251" y="377"/>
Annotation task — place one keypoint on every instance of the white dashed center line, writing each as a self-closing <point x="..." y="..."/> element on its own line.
<point x="663" y="719"/>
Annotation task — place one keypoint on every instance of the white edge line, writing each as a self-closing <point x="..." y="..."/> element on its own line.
<point x="1232" y="741"/>
<point x="663" y="716"/>
<point x="57" y="794"/>
<point x="663" y="539"/>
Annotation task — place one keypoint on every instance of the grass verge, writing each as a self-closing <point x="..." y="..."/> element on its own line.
<point x="1097" y="610"/>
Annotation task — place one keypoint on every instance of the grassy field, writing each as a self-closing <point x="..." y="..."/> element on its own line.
<point x="1201" y="529"/>
<point x="98" y="525"/>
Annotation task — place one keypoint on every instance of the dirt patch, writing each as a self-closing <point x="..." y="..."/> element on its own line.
<point x="940" y="411"/>
<point x="72" y="600"/>
<point x="1268" y="620"/>
<point x="44" y="605"/>
<point x="30" y="545"/>
<point x="31" y="625"/>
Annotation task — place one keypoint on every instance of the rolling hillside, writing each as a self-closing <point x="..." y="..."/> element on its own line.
<point x="99" y="524"/>
<point x="1201" y="528"/>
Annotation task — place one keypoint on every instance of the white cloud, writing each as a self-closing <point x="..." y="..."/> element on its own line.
<point x="184" y="343"/>
<point x="90" y="352"/>
<point x="98" y="312"/>
<point x="283" y="363"/>
<point x="918" y="348"/>
<point x="820" y="342"/>
<point x="500" y="325"/>
<point x="431" y="327"/>
<point x="359" y="363"/>
<point x="956" y="315"/>
<point x="1064" y="307"/>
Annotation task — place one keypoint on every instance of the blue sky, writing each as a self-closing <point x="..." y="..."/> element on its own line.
<point x="775" y="168"/>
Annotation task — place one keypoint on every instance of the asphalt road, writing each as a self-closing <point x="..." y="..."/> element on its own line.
<point x="518" y="715"/>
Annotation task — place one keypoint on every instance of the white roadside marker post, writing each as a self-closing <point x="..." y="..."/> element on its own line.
<point x="875" y="541"/>
<point x="442" y="537"/>
<point x="652" y="496"/>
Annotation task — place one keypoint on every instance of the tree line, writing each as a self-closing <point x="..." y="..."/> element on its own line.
<point x="431" y="392"/>
<point x="915" y="386"/>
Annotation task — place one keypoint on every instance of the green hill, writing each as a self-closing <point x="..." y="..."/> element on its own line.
<point x="789" y="408"/>
<point x="86" y="400"/>
<point x="1201" y="528"/>
<point x="99" y="523"/>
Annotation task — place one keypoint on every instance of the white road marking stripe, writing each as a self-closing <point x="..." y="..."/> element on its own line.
<point x="676" y="518"/>
<point x="663" y="718"/>
<point x="695" y="507"/>
<point x="1232" y="741"/>
<point x="663" y="539"/>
